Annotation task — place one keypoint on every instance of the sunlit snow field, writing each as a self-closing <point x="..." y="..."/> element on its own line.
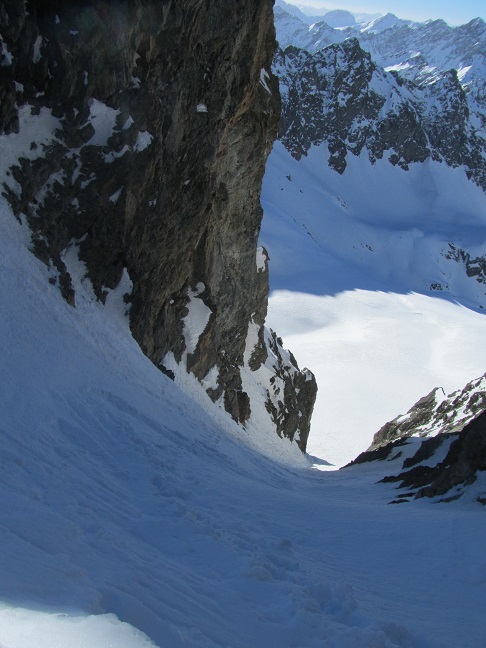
<point x="352" y="259"/>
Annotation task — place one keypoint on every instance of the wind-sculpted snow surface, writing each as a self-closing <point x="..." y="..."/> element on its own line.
<point x="124" y="501"/>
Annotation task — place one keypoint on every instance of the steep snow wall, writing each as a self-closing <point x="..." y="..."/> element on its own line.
<point x="145" y="127"/>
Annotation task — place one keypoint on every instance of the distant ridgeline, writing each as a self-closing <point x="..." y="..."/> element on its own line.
<point x="137" y="133"/>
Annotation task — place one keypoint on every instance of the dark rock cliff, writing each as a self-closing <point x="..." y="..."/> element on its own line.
<point x="162" y="115"/>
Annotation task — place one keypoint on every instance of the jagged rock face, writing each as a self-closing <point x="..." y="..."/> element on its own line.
<point x="421" y="52"/>
<point x="442" y="467"/>
<point x="291" y="393"/>
<point x="340" y="96"/>
<point x="164" y="117"/>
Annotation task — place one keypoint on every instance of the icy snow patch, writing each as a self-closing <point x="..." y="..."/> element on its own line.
<point x="197" y="319"/>
<point x="128" y="123"/>
<point x="33" y="129"/>
<point x="115" y="300"/>
<point x="115" y="196"/>
<point x="462" y="71"/>
<point x="78" y="272"/>
<point x="6" y="56"/>
<point x="103" y="119"/>
<point x="263" y="80"/>
<point x="261" y="259"/>
<point x="115" y="155"/>
<point x="36" y="55"/>
<point x="210" y="380"/>
<point x="144" y="139"/>
<point x="397" y="67"/>
<point x="24" y="628"/>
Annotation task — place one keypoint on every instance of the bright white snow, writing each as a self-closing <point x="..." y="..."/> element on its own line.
<point x="144" y="139"/>
<point x="374" y="354"/>
<point x="103" y="119"/>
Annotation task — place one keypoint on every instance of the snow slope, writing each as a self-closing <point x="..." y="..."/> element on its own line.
<point x="132" y="515"/>
<point x="364" y="291"/>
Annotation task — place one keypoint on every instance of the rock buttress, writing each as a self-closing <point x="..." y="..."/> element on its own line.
<point x="162" y="115"/>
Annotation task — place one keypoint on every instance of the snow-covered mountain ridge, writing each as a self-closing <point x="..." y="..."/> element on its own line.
<point x="339" y="96"/>
<point x="438" y="448"/>
<point x="436" y="413"/>
<point x="420" y="52"/>
<point x="332" y="17"/>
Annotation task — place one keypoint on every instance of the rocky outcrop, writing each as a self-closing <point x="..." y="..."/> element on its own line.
<point x="439" y="446"/>
<point x="474" y="266"/>
<point x="450" y="477"/>
<point x="435" y="414"/>
<point x="148" y="127"/>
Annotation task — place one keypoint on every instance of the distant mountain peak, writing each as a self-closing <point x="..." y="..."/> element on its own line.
<point x="340" y="18"/>
<point x="336" y="18"/>
<point x="388" y="21"/>
<point x="313" y="11"/>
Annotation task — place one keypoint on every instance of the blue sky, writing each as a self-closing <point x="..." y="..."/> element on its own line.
<point x="455" y="12"/>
